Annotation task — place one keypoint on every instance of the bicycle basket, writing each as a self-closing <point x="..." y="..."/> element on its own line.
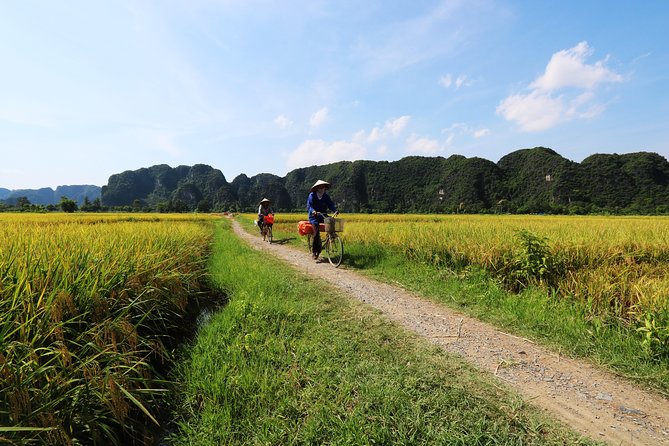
<point x="269" y="219"/>
<point x="334" y="224"/>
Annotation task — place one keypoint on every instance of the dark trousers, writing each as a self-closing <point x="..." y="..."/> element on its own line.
<point x="316" y="245"/>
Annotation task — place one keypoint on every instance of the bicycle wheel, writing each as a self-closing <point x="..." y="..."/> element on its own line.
<point x="334" y="249"/>
<point x="269" y="234"/>
<point x="310" y="241"/>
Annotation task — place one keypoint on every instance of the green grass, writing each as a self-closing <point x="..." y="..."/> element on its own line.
<point x="289" y="361"/>
<point x="566" y="326"/>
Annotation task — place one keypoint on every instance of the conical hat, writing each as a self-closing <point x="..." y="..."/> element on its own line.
<point x="265" y="200"/>
<point x="320" y="183"/>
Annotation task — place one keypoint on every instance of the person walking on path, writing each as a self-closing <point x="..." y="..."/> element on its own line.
<point x="318" y="204"/>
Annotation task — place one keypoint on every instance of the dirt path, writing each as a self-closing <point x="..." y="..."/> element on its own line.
<point x="592" y="402"/>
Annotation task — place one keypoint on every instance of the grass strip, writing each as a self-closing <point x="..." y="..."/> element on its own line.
<point x="289" y="361"/>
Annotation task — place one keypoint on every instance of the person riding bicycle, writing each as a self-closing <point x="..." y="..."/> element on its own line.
<point x="264" y="210"/>
<point x="318" y="204"/>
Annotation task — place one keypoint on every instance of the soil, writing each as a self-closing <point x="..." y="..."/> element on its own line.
<point x="592" y="401"/>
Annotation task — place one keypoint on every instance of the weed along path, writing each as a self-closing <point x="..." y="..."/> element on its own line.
<point x="591" y="401"/>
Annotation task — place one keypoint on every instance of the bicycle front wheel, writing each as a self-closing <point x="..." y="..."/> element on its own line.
<point x="310" y="241"/>
<point x="334" y="249"/>
<point x="269" y="234"/>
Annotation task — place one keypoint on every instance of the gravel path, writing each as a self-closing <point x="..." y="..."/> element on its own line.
<point x="591" y="401"/>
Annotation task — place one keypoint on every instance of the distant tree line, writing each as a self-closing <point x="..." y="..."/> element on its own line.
<point x="23" y="204"/>
<point x="47" y="196"/>
<point x="536" y="180"/>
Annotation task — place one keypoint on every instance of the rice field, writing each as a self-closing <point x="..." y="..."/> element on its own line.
<point x="617" y="267"/>
<point x="90" y="307"/>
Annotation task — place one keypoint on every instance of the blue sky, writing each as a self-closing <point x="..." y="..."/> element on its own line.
<point x="93" y="88"/>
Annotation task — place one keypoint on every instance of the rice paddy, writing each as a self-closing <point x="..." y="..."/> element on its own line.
<point x="90" y="307"/>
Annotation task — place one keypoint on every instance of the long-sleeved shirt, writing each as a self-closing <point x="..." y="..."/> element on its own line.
<point x="319" y="205"/>
<point x="264" y="210"/>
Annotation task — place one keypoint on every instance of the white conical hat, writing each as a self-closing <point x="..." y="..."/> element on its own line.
<point x="320" y="183"/>
<point x="265" y="200"/>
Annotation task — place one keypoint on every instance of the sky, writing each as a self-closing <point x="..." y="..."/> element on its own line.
<point x="89" y="89"/>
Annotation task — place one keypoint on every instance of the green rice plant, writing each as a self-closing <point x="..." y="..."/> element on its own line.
<point x="654" y="328"/>
<point x="531" y="264"/>
<point x="90" y="310"/>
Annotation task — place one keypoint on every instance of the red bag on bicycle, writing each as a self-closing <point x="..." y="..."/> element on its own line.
<point x="304" y="227"/>
<point x="269" y="219"/>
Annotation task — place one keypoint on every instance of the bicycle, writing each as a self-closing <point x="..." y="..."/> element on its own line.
<point x="266" y="228"/>
<point x="333" y="243"/>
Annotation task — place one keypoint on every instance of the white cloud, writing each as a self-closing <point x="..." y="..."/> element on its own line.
<point x="361" y="144"/>
<point x="462" y="80"/>
<point x="460" y="128"/>
<point x="456" y="126"/>
<point x="396" y="126"/>
<point x="444" y="28"/>
<point x="533" y="112"/>
<point x="375" y="135"/>
<point x="319" y="117"/>
<point x="391" y="129"/>
<point x="565" y="91"/>
<point x="448" y="81"/>
<point x="316" y="151"/>
<point x="640" y="57"/>
<point x="422" y="145"/>
<point x="567" y="68"/>
<point x="283" y="122"/>
<point x="480" y="133"/>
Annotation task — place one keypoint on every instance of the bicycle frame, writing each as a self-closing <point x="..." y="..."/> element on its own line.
<point x="332" y="244"/>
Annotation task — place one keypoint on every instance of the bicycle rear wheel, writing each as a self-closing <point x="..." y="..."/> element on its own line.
<point x="334" y="249"/>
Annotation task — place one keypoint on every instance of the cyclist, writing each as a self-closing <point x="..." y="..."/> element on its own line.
<point x="263" y="210"/>
<point x="318" y="204"/>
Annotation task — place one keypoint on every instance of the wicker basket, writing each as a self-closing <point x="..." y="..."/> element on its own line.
<point x="334" y="224"/>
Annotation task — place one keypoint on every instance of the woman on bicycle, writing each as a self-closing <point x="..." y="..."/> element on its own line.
<point x="318" y="203"/>
<point x="263" y="210"/>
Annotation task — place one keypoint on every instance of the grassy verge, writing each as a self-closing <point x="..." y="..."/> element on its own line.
<point x="564" y="325"/>
<point x="289" y="361"/>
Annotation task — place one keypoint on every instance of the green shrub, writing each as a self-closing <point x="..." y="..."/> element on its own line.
<point x="654" y="329"/>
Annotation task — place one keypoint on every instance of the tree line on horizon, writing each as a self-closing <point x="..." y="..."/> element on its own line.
<point x="536" y="180"/>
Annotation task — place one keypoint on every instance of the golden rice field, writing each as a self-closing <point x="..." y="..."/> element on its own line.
<point x="617" y="265"/>
<point x="89" y="308"/>
<point x="91" y="304"/>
